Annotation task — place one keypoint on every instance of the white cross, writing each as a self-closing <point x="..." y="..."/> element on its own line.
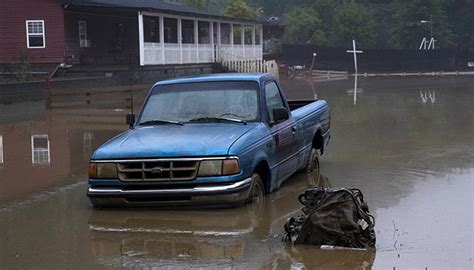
<point x="355" y="52"/>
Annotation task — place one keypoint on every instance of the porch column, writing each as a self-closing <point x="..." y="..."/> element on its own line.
<point x="242" y="39"/>
<point x="162" y="39"/>
<point x="231" y="38"/>
<point x="218" y="49"/>
<point x="180" y="40"/>
<point x="260" y="53"/>
<point x="211" y="39"/>
<point x="141" y="39"/>
<point x="253" y="42"/>
<point x="196" y="37"/>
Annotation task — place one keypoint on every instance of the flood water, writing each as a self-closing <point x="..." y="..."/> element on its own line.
<point x="407" y="143"/>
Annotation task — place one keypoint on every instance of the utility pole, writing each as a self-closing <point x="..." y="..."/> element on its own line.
<point x="432" y="40"/>
<point x="431" y="25"/>
<point x="310" y="72"/>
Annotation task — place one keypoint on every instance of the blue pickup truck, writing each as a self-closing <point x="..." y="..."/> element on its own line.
<point x="210" y="140"/>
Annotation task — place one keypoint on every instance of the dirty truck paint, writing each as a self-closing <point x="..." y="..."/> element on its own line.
<point x="284" y="147"/>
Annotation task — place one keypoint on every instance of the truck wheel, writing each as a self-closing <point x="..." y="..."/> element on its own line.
<point x="257" y="190"/>
<point x="313" y="163"/>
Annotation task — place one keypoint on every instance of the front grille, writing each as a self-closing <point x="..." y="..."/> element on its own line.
<point x="158" y="170"/>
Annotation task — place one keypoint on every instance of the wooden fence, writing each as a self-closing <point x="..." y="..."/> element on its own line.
<point x="328" y="75"/>
<point x="100" y="98"/>
<point x="252" y="66"/>
<point x="94" y="108"/>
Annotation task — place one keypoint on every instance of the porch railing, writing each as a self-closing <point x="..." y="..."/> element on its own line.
<point x="173" y="53"/>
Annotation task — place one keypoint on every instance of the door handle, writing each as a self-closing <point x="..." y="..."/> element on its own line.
<point x="293" y="130"/>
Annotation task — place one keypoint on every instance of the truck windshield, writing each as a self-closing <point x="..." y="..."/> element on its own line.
<point x="207" y="100"/>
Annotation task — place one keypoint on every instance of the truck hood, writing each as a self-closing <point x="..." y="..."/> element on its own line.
<point x="196" y="139"/>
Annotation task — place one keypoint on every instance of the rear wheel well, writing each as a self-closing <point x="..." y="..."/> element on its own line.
<point x="318" y="141"/>
<point x="264" y="171"/>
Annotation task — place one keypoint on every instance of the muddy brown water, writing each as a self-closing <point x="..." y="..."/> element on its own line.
<point x="408" y="144"/>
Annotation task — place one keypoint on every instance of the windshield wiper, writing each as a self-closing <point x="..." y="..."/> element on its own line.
<point x="158" y="121"/>
<point x="208" y="119"/>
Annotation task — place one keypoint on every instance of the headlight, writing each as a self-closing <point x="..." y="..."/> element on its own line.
<point x="219" y="167"/>
<point x="103" y="170"/>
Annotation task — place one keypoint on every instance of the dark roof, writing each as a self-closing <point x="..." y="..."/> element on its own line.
<point x="149" y="5"/>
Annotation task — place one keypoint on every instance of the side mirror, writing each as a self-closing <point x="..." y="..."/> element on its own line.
<point x="130" y="119"/>
<point x="280" y="114"/>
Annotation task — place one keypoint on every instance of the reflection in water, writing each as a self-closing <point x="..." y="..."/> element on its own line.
<point x="413" y="163"/>
<point x="45" y="152"/>
<point x="355" y="91"/>
<point x="87" y="138"/>
<point x="40" y="149"/>
<point x="139" y="238"/>
<point x="428" y="95"/>
<point x="315" y="258"/>
<point x="1" y="149"/>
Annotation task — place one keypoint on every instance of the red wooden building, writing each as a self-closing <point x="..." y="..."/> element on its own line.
<point x="32" y="28"/>
<point x="145" y="32"/>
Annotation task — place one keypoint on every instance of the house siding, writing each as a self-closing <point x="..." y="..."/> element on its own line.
<point x="13" y="15"/>
<point x="107" y="45"/>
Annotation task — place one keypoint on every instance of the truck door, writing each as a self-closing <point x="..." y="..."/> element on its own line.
<point x="284" y="134"/>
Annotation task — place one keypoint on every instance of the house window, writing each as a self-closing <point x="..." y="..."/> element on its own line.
<point x="1" y="149"/>
<point x="83" y="41"/>
<point x="248" y="35"/>
<point x="273" y="98"/>
<point x="203" y="32"/>
<point x="257" y="36"/>
<point x="40" y="149"/>
<point x="151" y="27"/>
<point x="237" y="34"/>
<point x="187" y="31"/>
<point x="35" y="34"/>
<point x="225" y="33"/>
<point x="171" y="30"/>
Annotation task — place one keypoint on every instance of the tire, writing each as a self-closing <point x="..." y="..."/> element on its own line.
<point x="257" y="189"/>
<point x="313" y="163"/>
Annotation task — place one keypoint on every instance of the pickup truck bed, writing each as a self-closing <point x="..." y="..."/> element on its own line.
<point x="296" y="104"/>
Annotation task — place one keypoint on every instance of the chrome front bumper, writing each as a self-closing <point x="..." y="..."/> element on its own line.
<point x="205" y="195"/>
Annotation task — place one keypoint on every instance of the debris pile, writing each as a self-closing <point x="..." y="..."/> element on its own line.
<point x="332" y="217"/>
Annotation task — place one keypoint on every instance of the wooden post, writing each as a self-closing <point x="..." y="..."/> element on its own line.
<point x="310" y="73"/>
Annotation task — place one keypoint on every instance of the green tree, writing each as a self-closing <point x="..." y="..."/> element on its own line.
<point x="407" y="31"/>
<point x="303" y="26"/>
<point x="459" y="13"/>
<point x="240" y="9"/>
<point x="198" y="3"/>
<point x="325" y="10"/>
<point x="353" y="21"/>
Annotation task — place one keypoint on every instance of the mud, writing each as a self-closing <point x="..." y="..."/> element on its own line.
<point x="408" y="144"/>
